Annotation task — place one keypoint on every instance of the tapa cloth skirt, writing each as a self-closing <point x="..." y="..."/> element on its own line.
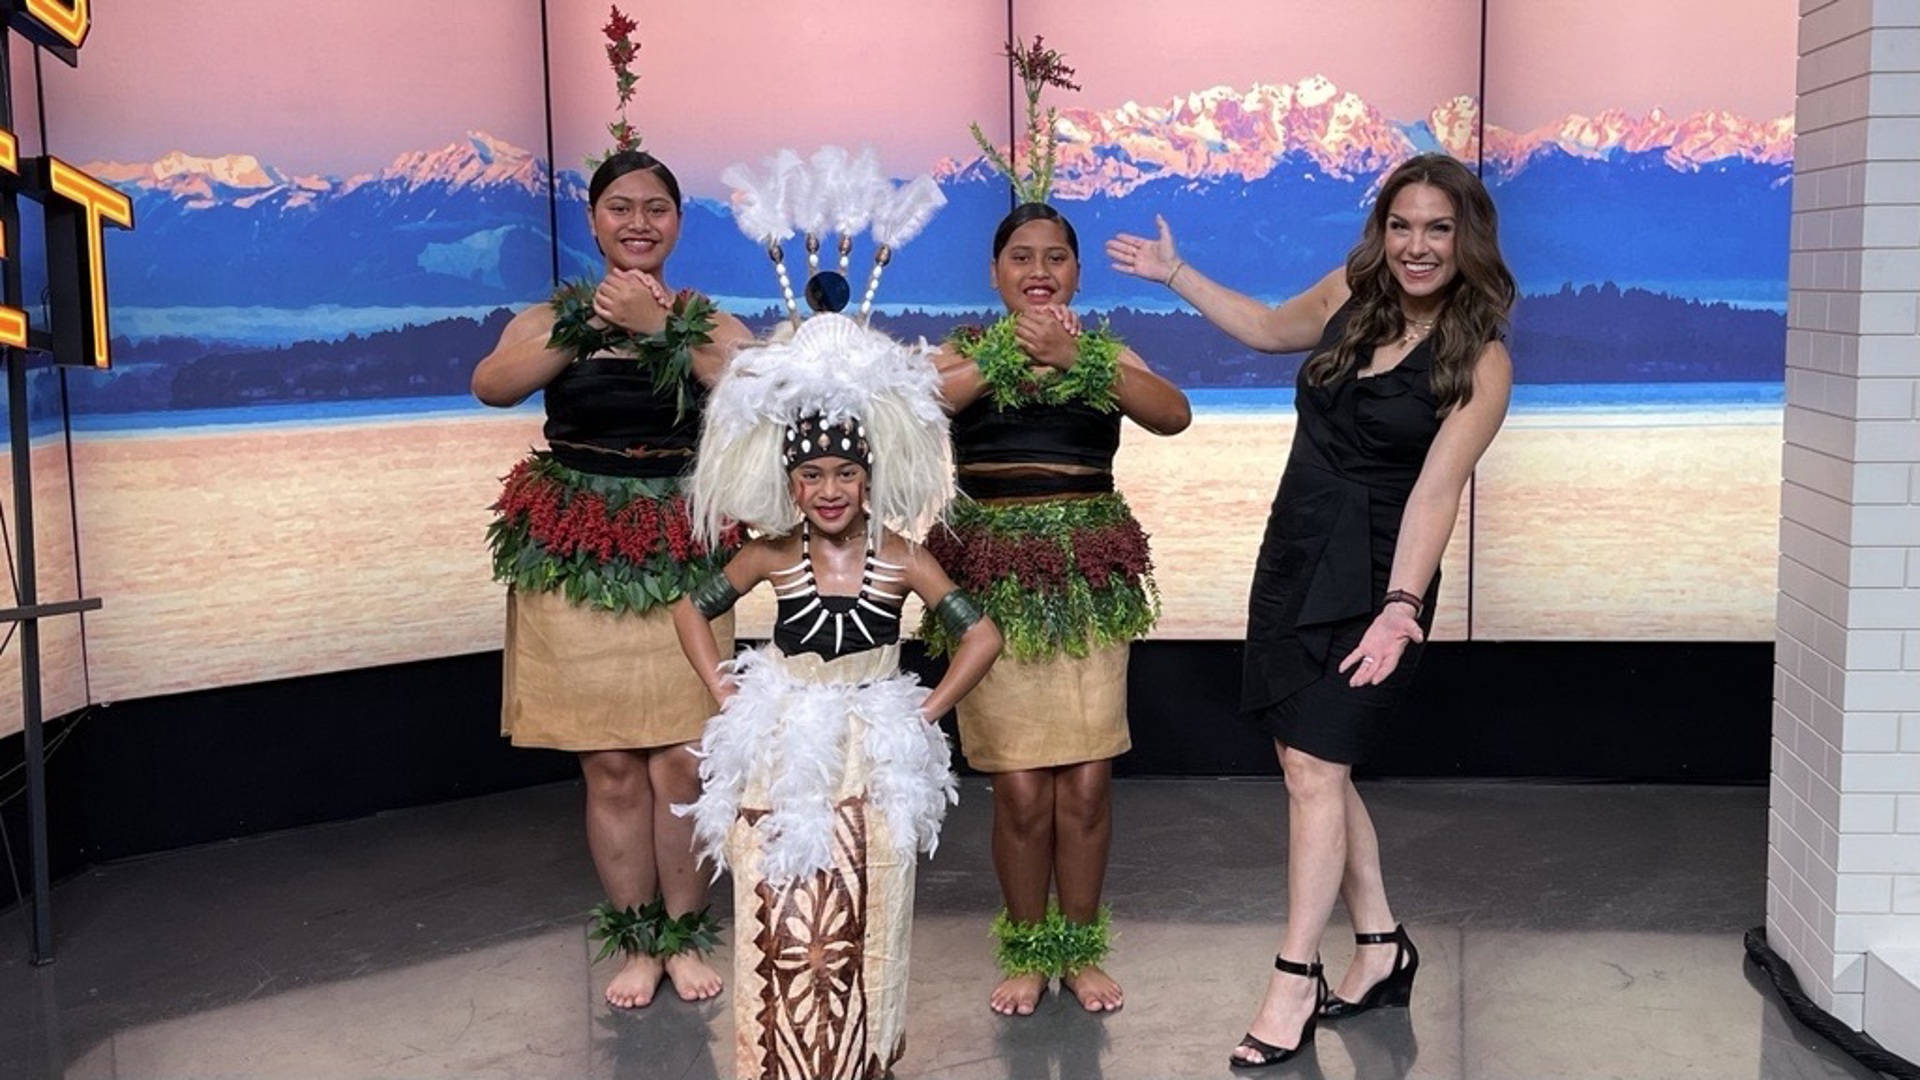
<point x="820" y="782"/>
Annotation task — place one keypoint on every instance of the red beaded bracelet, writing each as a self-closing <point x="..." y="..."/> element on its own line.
<point x="1402" y="596"/>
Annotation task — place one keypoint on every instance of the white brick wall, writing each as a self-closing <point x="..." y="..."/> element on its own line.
<point x="1843" y="865"/>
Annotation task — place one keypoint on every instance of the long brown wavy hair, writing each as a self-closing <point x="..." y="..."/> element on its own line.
<point x="1476" y="303"/>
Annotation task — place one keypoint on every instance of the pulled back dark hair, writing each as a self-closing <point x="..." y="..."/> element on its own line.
<point x="1030" y="212"/>
<point x="620" y="164"/>
<point x="1477" y="301"/>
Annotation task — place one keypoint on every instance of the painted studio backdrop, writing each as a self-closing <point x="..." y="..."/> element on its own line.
<point x="337" y="209"/>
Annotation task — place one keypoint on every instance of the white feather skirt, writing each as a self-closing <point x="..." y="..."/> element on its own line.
<point x="801" y="735"/>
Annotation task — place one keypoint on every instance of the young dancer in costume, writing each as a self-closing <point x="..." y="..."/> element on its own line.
<point x="1044" y="544"/>
<point x="1404" y="388"/>
<point x="824" y="771"/>
<point x="593" y="539"/>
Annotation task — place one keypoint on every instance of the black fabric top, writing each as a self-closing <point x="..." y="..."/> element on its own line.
<point x="804" y="620"/>
<point x="1071" y="434"/>
<point x="838" y="626"/>
<point x="1357" y="449"/>
<point x="605" y="416"/>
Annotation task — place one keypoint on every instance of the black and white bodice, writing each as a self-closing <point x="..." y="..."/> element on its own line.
<point x="836" y="626"/>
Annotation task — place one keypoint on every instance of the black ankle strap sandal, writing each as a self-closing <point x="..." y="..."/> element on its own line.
<point x="1274" y="1055"/>
<point x="1394" y="991"/>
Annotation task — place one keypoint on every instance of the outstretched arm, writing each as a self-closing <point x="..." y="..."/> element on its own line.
<point x="1291" y="327"/>
<point x="1432" y="507"/>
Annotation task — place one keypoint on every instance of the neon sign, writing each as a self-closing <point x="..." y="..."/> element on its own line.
<point x="78" y="208"/>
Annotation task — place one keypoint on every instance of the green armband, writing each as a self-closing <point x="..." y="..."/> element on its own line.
<point x="715" y="596"/>
<point x="957" y="614"/>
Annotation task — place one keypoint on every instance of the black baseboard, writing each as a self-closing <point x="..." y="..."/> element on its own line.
<point x="168" y="772"/>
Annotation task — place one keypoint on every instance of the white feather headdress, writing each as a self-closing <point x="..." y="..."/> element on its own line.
<point x="837" y="369"/>
<point x="831" y="192"/>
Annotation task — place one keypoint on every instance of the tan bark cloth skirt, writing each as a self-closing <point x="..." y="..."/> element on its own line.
<point x="1059" y="711"/>
<point x="580" y="679"/>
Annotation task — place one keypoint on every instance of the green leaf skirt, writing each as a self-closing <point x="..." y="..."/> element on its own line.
<point x="1058" y="576"/>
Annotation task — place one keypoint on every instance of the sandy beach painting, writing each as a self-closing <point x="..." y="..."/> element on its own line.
<point x="329" y="546"/>
<point x="283" y="475"/>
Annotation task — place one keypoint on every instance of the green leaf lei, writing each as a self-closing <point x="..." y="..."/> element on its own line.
<point x="1015" y="380"/>
<point x="648" y="929"/>
<point x="1051" y="946"/>
<point x="670" y="349"/>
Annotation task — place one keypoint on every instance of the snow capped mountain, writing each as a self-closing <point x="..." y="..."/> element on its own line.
<point x="1222" y="133"/>
<point x="1685" y="144"/>
<point x="476" y="162"/>
<point x="196" y="181"/>
<point x="1277" y="172"/>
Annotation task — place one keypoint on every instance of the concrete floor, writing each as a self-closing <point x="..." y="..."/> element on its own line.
<point x="1565" y="931"/>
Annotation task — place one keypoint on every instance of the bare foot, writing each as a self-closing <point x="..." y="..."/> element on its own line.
<point x="1018" y="994"/>
<point x="1284" y="1009"/>
<point x="1371" y="964"/>
<point x="633" y="988"/>
<point x="1095" y="988"/>
<point x="693" y="979"/>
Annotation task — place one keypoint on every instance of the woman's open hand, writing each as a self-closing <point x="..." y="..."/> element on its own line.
<point x="1380" y="648"/>
<point x="1154" y="259"/>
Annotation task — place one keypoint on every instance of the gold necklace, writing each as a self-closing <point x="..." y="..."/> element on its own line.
<point x="1413" y="324"/>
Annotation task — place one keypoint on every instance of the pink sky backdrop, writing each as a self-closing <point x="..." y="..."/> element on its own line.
<point x="1549" y="58"/>
<point x="1401" y="56"/>
<point x="735" y="81"/>
<point x="338" y="87"/>
<point x="345" y="86"/>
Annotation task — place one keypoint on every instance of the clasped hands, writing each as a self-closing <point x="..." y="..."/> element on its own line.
<point x="1050" y="335"/>
<point x="633" y="300"/>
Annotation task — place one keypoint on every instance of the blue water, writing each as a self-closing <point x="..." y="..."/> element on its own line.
<point x="1649" y="398"/>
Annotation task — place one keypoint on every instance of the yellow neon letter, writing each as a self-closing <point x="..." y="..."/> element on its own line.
<point x="13" y="321"/>
<point x="102" y="204"/>
<point x="69" y="20"/>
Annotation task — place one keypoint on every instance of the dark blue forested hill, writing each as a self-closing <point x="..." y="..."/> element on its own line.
<point x="1594" y="334"/>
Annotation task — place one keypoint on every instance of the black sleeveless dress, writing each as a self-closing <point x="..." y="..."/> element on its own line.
<point x="1357" y="449"/>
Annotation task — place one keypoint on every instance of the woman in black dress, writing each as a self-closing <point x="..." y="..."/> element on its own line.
<point x="1405" y="386"/>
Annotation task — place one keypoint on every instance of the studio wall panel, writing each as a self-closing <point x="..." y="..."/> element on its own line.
<point x="1641" y="154"/>
<point x="283" y="473"/>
